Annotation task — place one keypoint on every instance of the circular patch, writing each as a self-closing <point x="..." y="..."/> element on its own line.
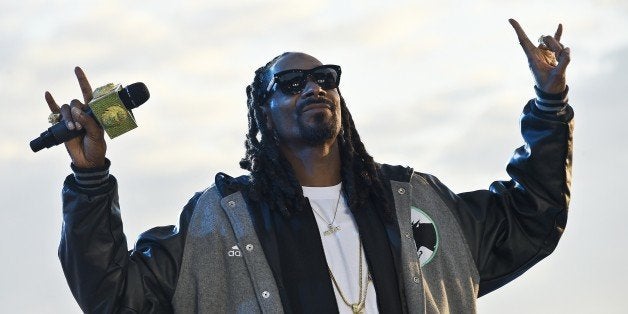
<point x="425" y="235"/>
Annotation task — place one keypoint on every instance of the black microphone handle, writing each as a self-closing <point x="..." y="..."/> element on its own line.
<point x="131" y="97"/>
<point x="58" y="133"/>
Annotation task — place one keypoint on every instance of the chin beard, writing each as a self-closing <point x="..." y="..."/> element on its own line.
<point x="319" y="132"/>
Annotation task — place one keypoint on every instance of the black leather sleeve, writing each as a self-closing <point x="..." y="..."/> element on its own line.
<point x="514" y="224"/>
<point x="103" y="275"/>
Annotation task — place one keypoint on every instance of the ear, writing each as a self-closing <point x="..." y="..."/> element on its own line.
<point x="269" y="121"/>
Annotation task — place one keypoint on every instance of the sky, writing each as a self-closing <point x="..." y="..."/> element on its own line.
<point x="438" y="86"/>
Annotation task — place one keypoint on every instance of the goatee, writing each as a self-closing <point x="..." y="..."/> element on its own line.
<point x="321" y="130"/>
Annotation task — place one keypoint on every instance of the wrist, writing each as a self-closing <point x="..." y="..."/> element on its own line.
<point x="551" y="86"/>
<point x="85" y="164"/>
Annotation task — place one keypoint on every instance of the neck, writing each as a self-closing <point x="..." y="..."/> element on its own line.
<point x="315" y="165"/>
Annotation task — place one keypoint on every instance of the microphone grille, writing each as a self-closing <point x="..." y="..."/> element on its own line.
<point x="137" y="93"/>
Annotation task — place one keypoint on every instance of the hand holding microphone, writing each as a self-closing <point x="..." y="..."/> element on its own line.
<point x="78" y="128"/>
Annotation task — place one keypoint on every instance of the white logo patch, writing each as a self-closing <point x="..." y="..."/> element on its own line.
<point x="425" y="235"/>
<point x="235" y="251"/>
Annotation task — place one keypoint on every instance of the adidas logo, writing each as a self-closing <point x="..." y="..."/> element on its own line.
<point x="235" y="251"/>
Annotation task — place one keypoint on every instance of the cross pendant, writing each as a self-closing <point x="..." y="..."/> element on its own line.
<point x="356" y="308"/>
<point x="331" y="230"/>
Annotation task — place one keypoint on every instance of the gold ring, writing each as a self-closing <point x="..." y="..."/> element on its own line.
<point x="54" y="118"/>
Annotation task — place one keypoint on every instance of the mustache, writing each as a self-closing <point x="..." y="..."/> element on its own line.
<point x="316" y="100"/>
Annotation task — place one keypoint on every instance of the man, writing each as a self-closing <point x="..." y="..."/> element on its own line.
<point x="318" y="226"/>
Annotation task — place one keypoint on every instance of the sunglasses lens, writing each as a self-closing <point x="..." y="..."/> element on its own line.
<point x="293" y="82"/>
<point x="327" y="78"/>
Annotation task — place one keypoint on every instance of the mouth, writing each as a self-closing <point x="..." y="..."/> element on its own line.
<point x="316" y="107"/>
<point x="317" y="104"/>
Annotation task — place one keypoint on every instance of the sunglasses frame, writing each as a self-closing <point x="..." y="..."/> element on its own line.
<point x="307" y="73"/>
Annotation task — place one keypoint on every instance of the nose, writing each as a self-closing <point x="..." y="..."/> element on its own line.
<point x="312" y="89"/>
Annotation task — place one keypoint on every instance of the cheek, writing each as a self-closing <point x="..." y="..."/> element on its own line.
<point x="281" y="103"/>
<point x="281" y="112"/>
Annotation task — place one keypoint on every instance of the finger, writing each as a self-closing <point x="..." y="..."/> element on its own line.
<point x="52" y="104"/>
<point x="85" y="121"/>
<point x="86" y="89"/>
<point x="75" y="103"/>
<point x="563" y="60"/>
<point x="559" y="32"/>
<point x="66" y="116"/>
<point x="552" y="44"/>
<point x="78" y="103"/>
<point x="525" y="42"/>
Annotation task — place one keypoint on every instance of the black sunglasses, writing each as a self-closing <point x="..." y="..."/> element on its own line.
<point x="292" y="82"/>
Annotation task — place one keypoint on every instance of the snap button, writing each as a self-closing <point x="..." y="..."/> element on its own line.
<point x="401" y="191"/>
<point x="249" y="247"/>
<point x="416" y="279"/>
<point x="408" y="235"/>
<point x="266" y="294"/>
<point x="231" y="203"/>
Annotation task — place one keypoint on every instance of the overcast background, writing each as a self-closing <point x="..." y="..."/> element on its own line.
<point x="435" y="85"/>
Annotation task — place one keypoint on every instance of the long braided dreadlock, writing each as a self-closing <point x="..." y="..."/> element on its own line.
<point x="272" y="176"/>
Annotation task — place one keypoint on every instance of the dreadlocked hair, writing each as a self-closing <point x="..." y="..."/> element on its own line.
<point x="272" y="177"/>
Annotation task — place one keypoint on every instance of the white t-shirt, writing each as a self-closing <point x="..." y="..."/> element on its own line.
<point x="341" y="247"/>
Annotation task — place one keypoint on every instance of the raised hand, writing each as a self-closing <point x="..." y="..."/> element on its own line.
<point x="87" y="151"/>
<point x="548" y="61"/>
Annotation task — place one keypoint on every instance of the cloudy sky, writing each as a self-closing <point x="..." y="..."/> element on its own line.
<point x="435" y="85"/>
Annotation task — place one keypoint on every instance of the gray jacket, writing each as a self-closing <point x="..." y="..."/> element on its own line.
<point x="244" y="283"/>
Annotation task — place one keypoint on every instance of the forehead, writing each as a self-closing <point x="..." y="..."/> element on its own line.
<point x="295" y="60"/>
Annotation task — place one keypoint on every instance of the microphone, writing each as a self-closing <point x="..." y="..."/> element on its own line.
<point x="110" y="107"/>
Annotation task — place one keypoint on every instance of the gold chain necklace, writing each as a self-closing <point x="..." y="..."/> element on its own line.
<point x="331" y="229"/>
<point x="357" y="307"/>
